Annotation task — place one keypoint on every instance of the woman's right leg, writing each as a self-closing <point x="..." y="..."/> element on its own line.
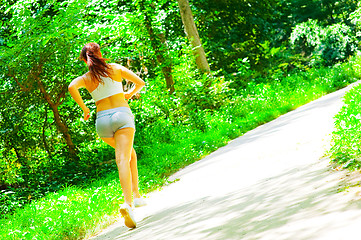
<point x="123" y="143"/>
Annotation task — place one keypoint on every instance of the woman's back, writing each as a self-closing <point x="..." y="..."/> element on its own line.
<point x="112" y="101"/>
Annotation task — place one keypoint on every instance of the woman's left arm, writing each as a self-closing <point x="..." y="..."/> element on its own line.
<point x="129" y="75"/>
<point x="74" y="92"/>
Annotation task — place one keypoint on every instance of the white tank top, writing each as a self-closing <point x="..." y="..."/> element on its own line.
<point x="108" y="88"/>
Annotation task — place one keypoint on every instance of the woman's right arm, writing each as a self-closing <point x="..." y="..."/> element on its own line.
<point x="74" y="92"/>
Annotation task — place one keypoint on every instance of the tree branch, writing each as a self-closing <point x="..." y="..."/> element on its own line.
<point x="22" y="87"/>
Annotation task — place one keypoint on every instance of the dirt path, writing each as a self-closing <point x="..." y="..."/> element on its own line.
<point x="271" y="183"/>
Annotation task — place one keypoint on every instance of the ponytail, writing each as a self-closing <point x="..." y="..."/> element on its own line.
<point x="96" y="64"/>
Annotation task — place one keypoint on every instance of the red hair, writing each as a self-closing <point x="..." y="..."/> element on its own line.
<point x="96" y="64"/>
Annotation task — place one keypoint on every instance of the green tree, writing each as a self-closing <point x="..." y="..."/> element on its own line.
<point x="158" y="42"/>
<point x="37" y="118"/>
<point x="36" y="56"/>
<point x="192" y="34"/>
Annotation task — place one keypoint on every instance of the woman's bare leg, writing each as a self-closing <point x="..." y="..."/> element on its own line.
<point x="133" y="167"/>
<point x="134" y="171"/>
<point x="123" y="141"/>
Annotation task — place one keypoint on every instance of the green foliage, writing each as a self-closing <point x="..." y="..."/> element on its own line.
<point x="234" y="31"/>
<point x="307" y="36"/>
<point x="328" y="45"/>
<point x="337" y="44"/>
<point x="355" y="18"/>
<point x="66" y="214"/>
<point x="346" y="145"/>
<point x="44" y="57"/>
<point x="42" y="42"/>
<point x="345" y="151"/>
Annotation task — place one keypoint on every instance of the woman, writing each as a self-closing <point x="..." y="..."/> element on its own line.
<point x="115" y="121"/>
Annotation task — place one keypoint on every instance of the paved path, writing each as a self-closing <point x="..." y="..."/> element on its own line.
<point x="271" y="183"/>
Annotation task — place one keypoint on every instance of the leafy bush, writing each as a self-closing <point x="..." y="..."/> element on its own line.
<point x="306" y="36"/>
<point x="338" y="43"/>
<point x="327" y="45"/>
<point x="355" y="18"/>
<point x="203" y="113"/>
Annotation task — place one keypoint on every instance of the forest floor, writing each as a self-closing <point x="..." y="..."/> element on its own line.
<point x="273" y="182"/>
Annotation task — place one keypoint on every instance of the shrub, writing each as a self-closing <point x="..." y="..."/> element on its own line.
<point x="337" y="44"/>
<point x="306" y="36"/>
<point x="326" y="45"/>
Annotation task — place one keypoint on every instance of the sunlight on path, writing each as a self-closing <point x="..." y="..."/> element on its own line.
<point x="271" y="183"/>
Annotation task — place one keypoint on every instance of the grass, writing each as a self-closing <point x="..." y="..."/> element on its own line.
<point x="345" y="151"/>
<point x="78" y="212"/>
<point x="72" y="210"/>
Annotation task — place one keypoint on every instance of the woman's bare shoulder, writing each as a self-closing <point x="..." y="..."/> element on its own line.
<point x="117" y="71"/>
<point x="115" y="65"/>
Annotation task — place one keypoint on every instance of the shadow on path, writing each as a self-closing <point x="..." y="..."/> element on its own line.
<point x="297" y="199"/>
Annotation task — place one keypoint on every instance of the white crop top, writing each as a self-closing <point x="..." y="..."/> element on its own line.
<point x="108" y="88"/>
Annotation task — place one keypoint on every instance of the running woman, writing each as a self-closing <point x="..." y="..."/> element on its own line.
<point x="115" y="121"/>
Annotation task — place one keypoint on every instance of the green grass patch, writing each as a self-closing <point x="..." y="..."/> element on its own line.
<point x="346" y="145"/>
<point x="71" y="213"/>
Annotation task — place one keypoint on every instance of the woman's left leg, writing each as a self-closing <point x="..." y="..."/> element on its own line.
<point x="123" y="147"/>
<point x="133" y="167"/>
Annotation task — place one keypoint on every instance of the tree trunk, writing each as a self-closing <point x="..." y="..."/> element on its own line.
<point x="62" y="127"/>
<point x="64" y="130"/>
<point x="159" y="50"/>
<point x="43" y="134"/>
<point x="193" y="36"/>
<point x="167" y="69"/>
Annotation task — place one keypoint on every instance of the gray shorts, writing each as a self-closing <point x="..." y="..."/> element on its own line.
<point x="111" y="120"/>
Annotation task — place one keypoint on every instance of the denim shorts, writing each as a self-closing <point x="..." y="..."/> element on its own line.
<point x="111" y="120"/>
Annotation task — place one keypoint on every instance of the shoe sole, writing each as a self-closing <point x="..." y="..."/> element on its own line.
<point x="128" y="221"/>
<point x="142" y="205"/>
<point x="138" y="204"/>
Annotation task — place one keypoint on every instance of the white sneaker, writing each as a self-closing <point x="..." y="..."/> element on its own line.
<point x="128" y="215"/>
<point x="139" y="202"/>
